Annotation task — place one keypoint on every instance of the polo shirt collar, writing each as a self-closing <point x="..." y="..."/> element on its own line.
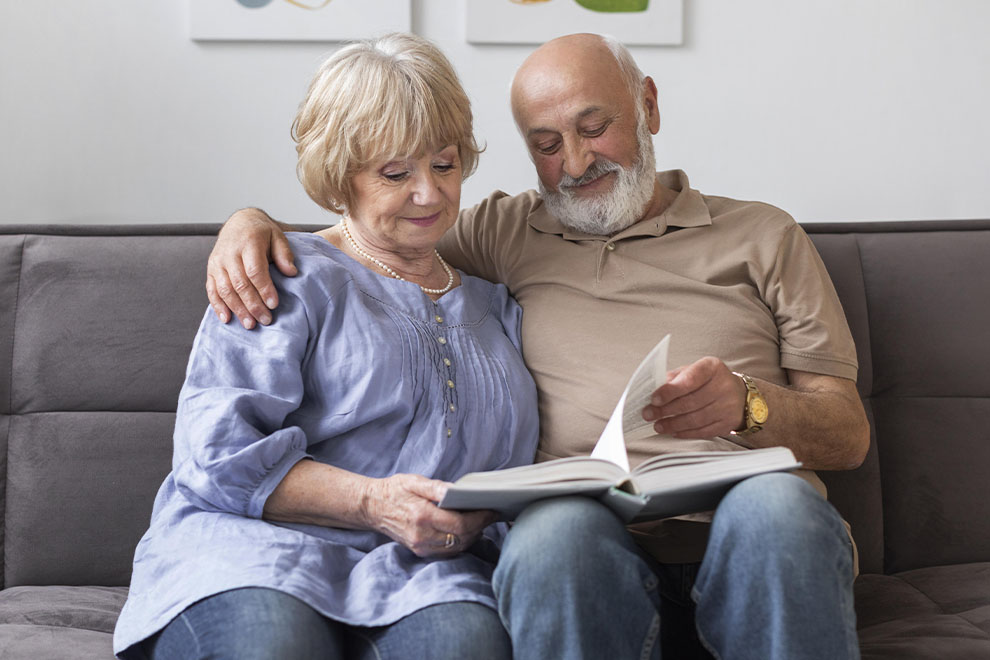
<point x="687" y="210"/>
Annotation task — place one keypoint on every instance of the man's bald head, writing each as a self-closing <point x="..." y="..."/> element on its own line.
<point x="585" y="56"/>
<point x="587" y="114"/>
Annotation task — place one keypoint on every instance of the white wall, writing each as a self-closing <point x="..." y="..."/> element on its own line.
<point x="832" y="109"/>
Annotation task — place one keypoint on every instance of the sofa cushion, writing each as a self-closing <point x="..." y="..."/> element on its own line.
<point x="75" y="480"/>
<point x="59" y="622"/>
<point x="941" y="612"/>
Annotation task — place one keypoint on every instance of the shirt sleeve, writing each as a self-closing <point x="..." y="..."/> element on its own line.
<point x="814" y="334"/>
<point x="231" y="449"/>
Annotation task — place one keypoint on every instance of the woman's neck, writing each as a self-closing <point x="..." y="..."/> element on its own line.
<point x="420" y="266"/>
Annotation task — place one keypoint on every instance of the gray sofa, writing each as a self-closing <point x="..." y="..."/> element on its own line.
<point x="96" y="324"/>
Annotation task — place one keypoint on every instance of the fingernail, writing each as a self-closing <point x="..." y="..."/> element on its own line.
<point x="247" y="323"/>
<point x="266" y="319"/>
<point x="656" y="400"/>
<point x="658" y="427"/>
<point x="223" y="317"/>
<point x="271" y="303"/>
<point x="648" y="414"/>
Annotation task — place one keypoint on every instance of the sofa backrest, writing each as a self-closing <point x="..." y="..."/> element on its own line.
<point x="95" y="333"/>
<point x="917" y="297"/>
<point x="96" y="324"/>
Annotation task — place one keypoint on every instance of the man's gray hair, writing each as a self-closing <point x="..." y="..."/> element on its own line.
<point x="630" y="71"/>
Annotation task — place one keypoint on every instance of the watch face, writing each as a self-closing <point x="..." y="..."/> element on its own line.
<point x="758" y="410"/>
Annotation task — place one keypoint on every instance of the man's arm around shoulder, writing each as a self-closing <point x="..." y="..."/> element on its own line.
<point x="237" y="277"/>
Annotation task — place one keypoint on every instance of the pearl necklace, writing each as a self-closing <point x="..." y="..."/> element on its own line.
<point x="354" y="246"/>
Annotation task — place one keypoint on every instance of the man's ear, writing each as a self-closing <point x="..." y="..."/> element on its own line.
<point x="651" y="105"/>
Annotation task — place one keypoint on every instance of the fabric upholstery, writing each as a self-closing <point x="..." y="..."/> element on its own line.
<point x="910" y="615"/>
<point x="96" y="324"/>
<point x="59" y="622"/>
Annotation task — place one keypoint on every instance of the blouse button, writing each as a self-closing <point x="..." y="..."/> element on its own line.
<point x="450" y="384"/>
<point x="449" y="433"/>
<point x="610" y="246"/>
<point x="446" y="362"/>
<point x="441" y="340"/>
<point x="452" y="408"/>
<point x="439" y="319"/>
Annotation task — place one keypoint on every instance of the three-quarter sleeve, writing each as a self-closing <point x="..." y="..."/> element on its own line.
<point x="231" y="449"/>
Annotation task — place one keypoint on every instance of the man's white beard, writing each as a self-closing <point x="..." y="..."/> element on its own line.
<point x="616" y="209"/>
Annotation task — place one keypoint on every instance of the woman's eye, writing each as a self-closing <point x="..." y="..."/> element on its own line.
<point x="443" y="167"/>
<point x="395" y="177"/>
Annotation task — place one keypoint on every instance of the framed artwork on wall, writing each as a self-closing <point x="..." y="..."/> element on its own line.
<point x="633" y="22"/>
<point x="295" y="20"/>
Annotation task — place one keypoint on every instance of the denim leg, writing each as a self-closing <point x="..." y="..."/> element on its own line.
<point x="776" y="580"/>
<point x="450" y="631"/>
<point x="248" y="624"/>
<point x="571" y="584"/>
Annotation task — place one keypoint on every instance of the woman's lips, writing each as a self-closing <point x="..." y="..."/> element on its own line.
<point x="425" y="221"/>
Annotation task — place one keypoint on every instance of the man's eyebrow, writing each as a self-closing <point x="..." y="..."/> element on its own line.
<point x="581" y="115"/>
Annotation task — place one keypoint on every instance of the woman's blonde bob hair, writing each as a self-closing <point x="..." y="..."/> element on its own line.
<point x="392" y="97"/>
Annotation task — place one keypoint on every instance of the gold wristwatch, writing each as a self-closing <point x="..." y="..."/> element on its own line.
<point x="756" y="410"/>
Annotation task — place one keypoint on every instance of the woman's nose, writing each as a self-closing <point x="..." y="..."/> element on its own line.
<point x="426" y="189"/>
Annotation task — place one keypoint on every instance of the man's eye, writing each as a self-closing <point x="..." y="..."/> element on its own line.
<point x="548" y="148"/>
<point x="596" y="131"/>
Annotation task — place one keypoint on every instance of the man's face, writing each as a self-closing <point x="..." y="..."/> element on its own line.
<point x="583" y="128"/>
<point x="608" y="211"/>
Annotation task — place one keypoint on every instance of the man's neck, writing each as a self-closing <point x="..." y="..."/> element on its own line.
<point x="662" y="198"/>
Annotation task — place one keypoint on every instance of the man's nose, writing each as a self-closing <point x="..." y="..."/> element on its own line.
<point x="577" y="157"/>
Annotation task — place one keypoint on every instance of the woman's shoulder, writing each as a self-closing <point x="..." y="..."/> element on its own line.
<point x="322" y="268"/>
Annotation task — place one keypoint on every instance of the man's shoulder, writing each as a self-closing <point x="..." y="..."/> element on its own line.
<point x="729" y="214"/>
<point x="501" y="205"/>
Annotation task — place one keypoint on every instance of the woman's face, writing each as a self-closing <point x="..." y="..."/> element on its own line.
<point x="407" y="205"/>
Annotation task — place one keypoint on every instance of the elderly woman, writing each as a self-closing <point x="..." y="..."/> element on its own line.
<point x="300" y="517"/>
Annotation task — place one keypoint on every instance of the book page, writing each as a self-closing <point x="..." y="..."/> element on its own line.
<point x="627" y="417"/>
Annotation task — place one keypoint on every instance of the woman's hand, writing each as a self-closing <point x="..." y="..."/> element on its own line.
<point x="237" y="278"/>
<point x="403" y="507"/>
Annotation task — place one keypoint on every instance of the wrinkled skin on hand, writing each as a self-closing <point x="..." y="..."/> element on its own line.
<point x="237" y="277"/>
<point x="403" y="507"/>
<point x="700" y="400"/>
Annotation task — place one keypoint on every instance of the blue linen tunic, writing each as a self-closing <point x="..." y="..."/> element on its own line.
<point x="360" y="371"/>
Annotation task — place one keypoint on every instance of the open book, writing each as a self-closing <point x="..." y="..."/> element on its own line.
<point x="660" y="487"/>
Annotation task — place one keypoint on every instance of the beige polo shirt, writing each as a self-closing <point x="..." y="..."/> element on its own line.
<point x="737" y="280"/>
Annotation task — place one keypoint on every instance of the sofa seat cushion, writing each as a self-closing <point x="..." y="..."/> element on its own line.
<point x="59" y="622"/>
<point x="940" y="612"/>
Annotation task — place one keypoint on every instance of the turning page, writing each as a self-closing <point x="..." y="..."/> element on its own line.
<point x="627" y="418"/>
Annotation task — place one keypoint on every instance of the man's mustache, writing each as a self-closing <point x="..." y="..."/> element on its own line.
<point x="600" y="167"/>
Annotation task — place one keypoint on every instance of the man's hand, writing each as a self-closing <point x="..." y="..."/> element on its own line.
<point x="237" y="278"/>
<point x="820" y="418"/>
<point x="700" y="400"/>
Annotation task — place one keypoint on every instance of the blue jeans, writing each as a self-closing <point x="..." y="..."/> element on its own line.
<point x="775" y="582"/>
<point x="263" y="624"/>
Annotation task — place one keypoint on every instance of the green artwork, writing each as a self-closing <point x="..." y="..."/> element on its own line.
<point x="614" y="5"/>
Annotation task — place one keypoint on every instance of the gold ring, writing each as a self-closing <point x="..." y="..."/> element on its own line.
<point x="450" y="541"/>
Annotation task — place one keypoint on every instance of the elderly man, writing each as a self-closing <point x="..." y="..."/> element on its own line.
<point x="608" y="257"/>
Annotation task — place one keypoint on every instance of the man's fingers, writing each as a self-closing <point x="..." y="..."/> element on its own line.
<point x="233" y="302"/>
<point x="243" y="288"/>
<point x="283" y="257"/>
<point x="216" y="302"/>
<point x="256" y="270"/>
